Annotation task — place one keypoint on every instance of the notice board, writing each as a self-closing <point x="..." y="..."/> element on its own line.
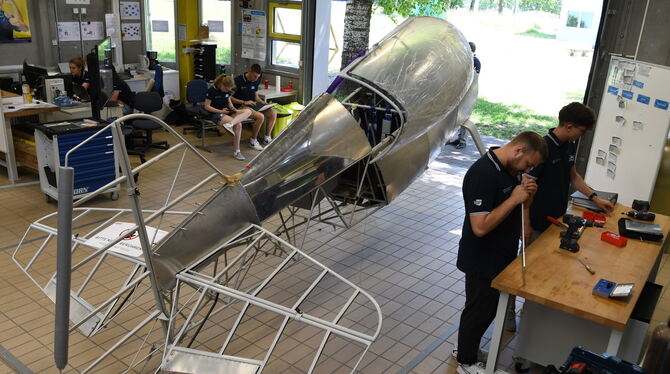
<point x="631" y="130"/>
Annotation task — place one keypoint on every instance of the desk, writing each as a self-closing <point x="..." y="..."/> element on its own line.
<point x="170" y="82"/>
<point x="6" y="138"/>
<point x="271" y="93"/>
<point x="50" y="114"/>
<point x="557" y="280"/>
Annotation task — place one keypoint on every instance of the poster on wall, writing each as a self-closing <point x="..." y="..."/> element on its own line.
<point x="131" y="31"/>
<point x="68" y="31"/>
<point x="253" y="34"/>
<point x="113" y="29"/>
<point x="14" y="21"/>
<point x="130" y="10"/>
<point x="92" y="30"/>
<point x="158" y="25"/>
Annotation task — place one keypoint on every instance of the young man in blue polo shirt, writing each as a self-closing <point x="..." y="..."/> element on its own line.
<point x="493" y="192"/>
<point x="246" y="95"/>
<point x="555" y="175"/>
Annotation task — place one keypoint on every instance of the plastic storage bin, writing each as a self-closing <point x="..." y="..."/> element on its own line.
<point x="295" y="107"/>
<point x="283" y="117"/>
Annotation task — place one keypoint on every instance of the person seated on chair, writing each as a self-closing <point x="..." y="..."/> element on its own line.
<point x="122" y="94"/>
<point x="219" y="104"/>
<point x="246" y="95"/>
<point x="79" y="75"/>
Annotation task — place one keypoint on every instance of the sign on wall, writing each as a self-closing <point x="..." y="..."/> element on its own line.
<point x="253" y="34"/>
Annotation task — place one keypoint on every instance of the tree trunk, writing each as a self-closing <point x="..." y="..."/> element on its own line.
<point x="356" y="29"/>
<point x="474" y="5"/>
<point x="501" y="5"/>
<point x="516" y="6"/>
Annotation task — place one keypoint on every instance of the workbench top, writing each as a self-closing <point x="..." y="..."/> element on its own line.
<point x="555" y="278"/>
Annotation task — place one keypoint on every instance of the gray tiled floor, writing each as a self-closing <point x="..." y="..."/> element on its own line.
<point x="404" y="255"/>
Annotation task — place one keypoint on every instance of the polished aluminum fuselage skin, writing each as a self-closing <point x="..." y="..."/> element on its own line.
<point x="423" y="69"/>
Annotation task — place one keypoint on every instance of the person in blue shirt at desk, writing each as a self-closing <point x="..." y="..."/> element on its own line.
<point x="246" y="96"/>
<point x="79" y="75"/>
<point x="122" y="94"/>
<point x="218" y="103"/>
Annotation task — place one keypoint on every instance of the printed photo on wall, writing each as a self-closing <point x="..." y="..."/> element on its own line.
<point x="14" y="21"/>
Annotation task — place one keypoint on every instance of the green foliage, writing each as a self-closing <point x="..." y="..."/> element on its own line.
<point x="537" y="34"/>
<point x="549" y="6"/>
<point x="506" y="121"/>
<point x="408" y="8"/>
<point x="493" y="4"/>
<point x="223" y="55"/>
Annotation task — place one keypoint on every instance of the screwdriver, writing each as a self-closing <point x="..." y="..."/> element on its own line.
<point x="556" y="222"/>
<point x="587" y="266"/>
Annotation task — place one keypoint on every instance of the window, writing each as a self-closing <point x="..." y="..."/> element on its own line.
<point x="582" y="20"/>
<point x="285" y="54"/>
<point x="285" y="26"/>
<point x="586" y="21"/>
<point x="160" y="20"/>
<point x="216" y="14"/>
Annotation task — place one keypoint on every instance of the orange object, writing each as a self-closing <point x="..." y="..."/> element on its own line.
<point x="286" y="89"/>
<point x="595" y="217"/>
<point x="613" y="238"/>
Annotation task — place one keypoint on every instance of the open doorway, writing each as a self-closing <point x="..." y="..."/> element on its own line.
<point x="536" y="55"/>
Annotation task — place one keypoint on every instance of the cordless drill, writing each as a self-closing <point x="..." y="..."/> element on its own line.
<point x="570" y="236"/>
<point x="641" y="211"/>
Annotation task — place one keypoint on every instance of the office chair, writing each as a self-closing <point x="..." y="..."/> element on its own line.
<point x="158" y="81"/>
<point x="196" y="93"/>
<point x="148" y="102"/>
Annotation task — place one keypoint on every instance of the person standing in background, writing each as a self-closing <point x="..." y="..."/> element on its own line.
<point x="459" y="142"/>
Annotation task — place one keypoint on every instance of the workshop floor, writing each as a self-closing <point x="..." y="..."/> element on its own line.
<point x="404" y="255"/>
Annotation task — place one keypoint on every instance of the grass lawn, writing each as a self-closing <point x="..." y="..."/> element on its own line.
<point x="506" y="121"/>
<point x="537" y="34"/>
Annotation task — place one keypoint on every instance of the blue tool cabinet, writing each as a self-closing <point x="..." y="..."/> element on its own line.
<point x="94" y="163"/>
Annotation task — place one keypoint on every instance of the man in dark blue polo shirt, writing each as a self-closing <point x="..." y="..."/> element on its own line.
<point x="246" y="95"/>
<point x="555" y="175"/>
<point x="493" y="194"/>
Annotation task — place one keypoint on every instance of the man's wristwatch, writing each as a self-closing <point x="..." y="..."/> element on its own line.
<point x="592" y="195"/>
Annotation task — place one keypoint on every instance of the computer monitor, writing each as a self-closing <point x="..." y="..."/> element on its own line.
<point x="67" y="81"/>
<point x="105" y="54"/>
<point x="99" y="62"/>
<point x="34" y="75"/>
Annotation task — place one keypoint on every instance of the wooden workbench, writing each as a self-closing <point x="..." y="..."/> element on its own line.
<point x="18" y="150"/>
<point x="556" y="279"/>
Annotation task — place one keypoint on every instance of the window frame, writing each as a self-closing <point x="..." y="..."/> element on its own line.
<point x="202" y="20"/>
<point x="147" y="33"/>
<point x="580" y="15"/>
<point x="288" y="38"/>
